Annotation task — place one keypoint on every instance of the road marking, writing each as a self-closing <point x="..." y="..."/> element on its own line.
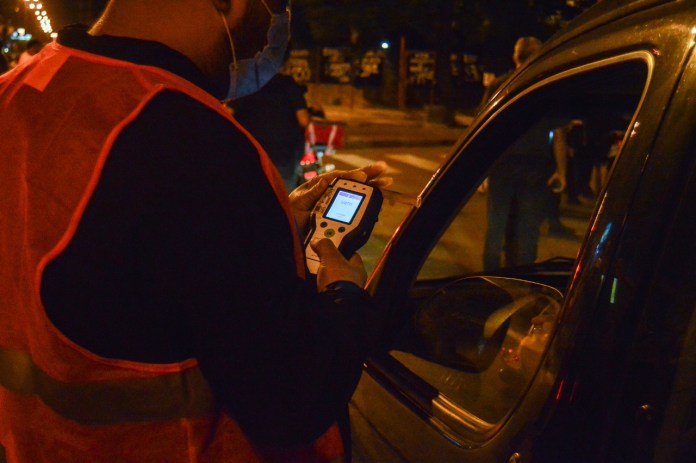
<point x="415" y="161"/>
<point x="356" y="161"/>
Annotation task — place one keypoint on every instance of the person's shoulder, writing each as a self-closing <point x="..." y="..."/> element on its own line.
<point x="286" y="81"/>
<point x="176" y="122"/>
<point x="175" y="107"/>
<point x="500" y="80"/>
<point x="284" y="78"/>
<point x="178" y="136"/>
<point x="493" y="87"/>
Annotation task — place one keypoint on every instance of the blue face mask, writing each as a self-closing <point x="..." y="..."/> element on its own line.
<point x="249" y="75"/>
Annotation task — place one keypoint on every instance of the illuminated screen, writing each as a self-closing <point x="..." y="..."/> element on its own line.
<point x="344" y="206"/>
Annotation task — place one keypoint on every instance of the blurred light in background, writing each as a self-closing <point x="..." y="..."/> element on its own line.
<point x="41" y="15"/>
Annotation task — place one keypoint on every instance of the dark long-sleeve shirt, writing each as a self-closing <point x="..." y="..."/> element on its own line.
<point x="184" y="252"/>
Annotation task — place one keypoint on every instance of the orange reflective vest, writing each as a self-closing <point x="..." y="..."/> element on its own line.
<point x="59" y="402"/>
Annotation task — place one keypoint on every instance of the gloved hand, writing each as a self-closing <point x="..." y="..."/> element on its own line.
<point x="335" y="267"/>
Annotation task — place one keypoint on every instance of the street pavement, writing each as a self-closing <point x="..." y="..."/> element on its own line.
<point x="414" y="148"/>
<point x="386" y="127"/>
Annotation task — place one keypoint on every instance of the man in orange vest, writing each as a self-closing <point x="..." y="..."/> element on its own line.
<point x="152" y="293"/>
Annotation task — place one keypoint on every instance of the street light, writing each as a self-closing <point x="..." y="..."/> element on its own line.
<point x="41" y="15"/>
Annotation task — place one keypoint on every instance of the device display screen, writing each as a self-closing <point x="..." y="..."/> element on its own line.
<point x="344" y="206"/>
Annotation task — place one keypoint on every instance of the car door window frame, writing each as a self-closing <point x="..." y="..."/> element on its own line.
<point x="416" y="262"/>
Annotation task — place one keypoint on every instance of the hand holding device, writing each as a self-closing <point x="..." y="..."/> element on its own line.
<point x="304" y="197"/>
<point x="334" y="267"/>
<point x="346" y="215"/>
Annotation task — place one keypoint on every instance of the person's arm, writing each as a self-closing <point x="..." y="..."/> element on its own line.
<point x="295" y="95"/>
<point x="303" y="118"/>
<point x="281" y="357"/>
<point x="558" y="179"/>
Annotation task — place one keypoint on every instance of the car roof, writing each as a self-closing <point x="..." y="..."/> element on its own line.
<point x="601" y="13"/>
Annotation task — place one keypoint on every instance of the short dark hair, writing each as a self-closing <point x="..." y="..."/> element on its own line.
<point x="525" y="47"/>
<point x="34" y="43"/>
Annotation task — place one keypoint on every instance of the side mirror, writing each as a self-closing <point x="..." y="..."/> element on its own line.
<point x="468" y="323"/>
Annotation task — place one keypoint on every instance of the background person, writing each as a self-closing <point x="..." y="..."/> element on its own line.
<point x="33" y="47"/>
<point x="277" y="116"/>
<point x="524" y="49"/>
<point x="524" y="186"/>
<point x="152" y="284"/>
<point x="560" y="148"/>
<point x="519" y="186"/>
<point x="580" y="163"/>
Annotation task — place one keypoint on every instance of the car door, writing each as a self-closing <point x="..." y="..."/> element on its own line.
<point x="629" y="382"/>
<point x="470" y="357"/>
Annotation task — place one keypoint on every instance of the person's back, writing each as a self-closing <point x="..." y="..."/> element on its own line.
<point x="150" y="311"/>
<point x="38" y="224"/>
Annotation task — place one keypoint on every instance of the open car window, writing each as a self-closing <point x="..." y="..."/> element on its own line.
<point x="476" y="345"/>
<point x="517" y="216"/>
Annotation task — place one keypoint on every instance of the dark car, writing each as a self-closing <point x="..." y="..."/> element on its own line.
<point x="585" y="352"/>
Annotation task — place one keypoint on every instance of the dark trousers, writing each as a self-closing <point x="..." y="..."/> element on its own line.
<point x="517" y="205"/>
<point x="579" y="174"/>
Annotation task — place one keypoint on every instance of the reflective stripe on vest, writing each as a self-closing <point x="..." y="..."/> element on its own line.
<point x="163" y="397"/>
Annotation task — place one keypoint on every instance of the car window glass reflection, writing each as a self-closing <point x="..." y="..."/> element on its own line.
<point x="480" y="340"/>
<point x="550" y="155"/>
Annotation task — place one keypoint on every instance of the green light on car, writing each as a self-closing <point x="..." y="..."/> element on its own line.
<point x="612" y="298"/>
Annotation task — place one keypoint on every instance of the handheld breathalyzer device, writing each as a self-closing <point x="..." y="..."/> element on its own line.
<point x="345" y="214"/>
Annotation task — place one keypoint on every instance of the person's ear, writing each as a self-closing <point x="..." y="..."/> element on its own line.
<point x="223" y="6"/>
<point x="233" y="10"/>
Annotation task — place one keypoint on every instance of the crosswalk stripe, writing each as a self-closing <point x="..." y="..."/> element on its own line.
<point x="415" y="161"/>
<point x="356" y="161"/>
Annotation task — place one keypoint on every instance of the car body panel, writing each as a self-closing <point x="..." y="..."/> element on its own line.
<point x="577" y="408"/>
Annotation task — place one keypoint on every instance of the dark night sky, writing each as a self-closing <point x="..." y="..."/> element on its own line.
<point x="61" y="12"/>
<point x="72" y="11"/>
